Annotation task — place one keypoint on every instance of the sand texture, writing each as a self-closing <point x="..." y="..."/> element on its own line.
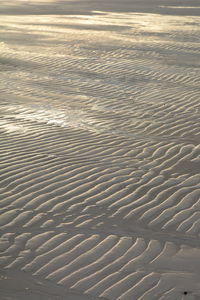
<point x="100" y="150"/>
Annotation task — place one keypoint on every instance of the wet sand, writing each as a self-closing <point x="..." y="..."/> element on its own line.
<point x="100" y="154"/>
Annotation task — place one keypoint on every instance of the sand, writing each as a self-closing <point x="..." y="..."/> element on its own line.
<point x="100" y="150"/>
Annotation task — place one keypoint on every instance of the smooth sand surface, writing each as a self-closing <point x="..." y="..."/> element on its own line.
<point x="100" y="150"/>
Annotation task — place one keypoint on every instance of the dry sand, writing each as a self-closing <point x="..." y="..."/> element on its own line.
<point x="100" y="150"/>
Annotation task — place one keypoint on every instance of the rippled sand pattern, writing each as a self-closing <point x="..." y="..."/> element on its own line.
<point x="100" y="156"/>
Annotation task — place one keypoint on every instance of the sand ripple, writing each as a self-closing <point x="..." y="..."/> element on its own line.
<point x="100" y="155"/>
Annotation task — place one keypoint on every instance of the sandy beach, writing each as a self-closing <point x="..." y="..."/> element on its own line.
<point x="100" y="150"/>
